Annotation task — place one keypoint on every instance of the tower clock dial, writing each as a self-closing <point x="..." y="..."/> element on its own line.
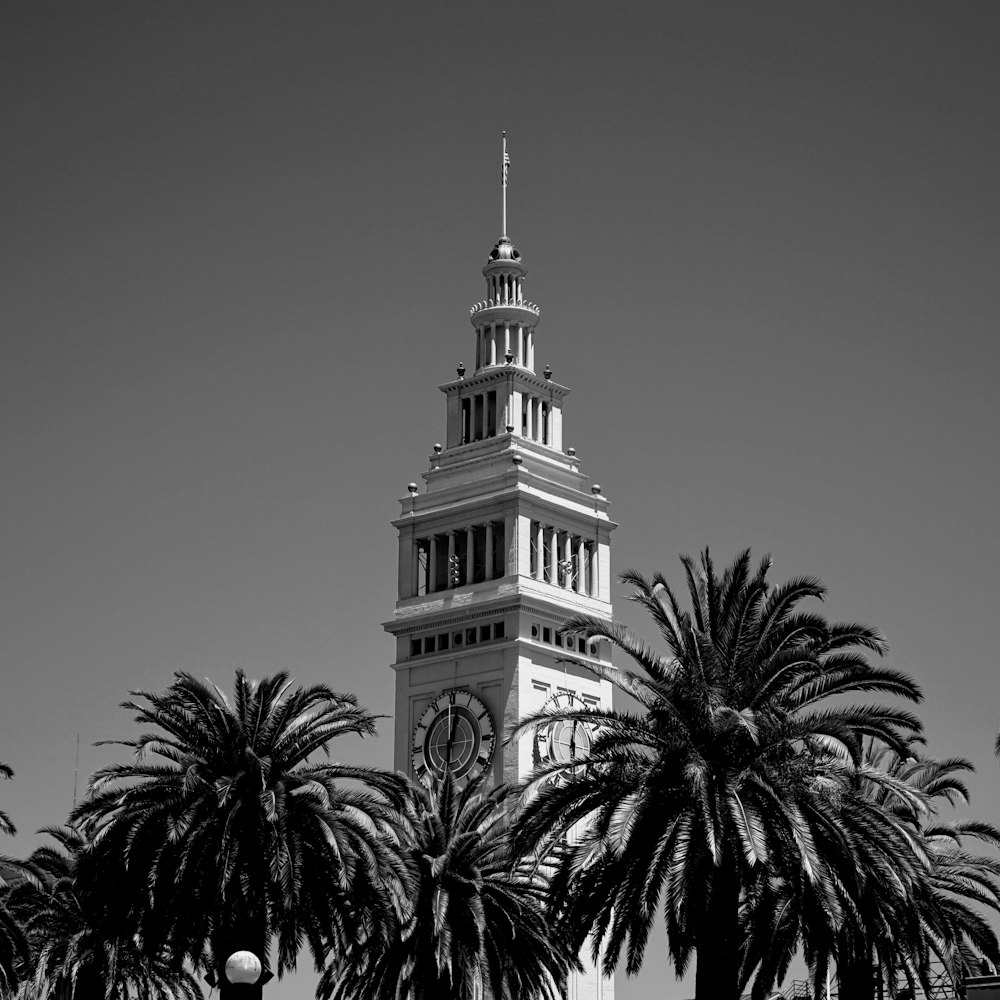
<point x="455" y="733"/>
<point x="564" y="740"/>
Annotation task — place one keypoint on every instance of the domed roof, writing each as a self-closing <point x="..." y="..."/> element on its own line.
<point x="504" y="250"/>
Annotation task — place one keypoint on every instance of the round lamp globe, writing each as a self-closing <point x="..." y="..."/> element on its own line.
<point x="243" y="967"/>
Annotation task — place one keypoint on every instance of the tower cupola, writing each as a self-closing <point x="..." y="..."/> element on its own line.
<point x="505" y="321"/>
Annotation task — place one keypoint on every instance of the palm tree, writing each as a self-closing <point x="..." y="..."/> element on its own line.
<point x="713" y="778"/>
<point x="233" y="836"/>
<point x="873" y="865"/>
<point x="13" y="944"/>
<point x="6" y="824"/>
<point x="472" y="918"/>
<point x="902" y="904"/>
<point x="81" y="945"/>
<point x="935" y="919"/>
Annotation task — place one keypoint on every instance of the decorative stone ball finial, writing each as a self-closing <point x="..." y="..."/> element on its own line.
<point x="596" y="490"/>
<point x="412" y="487"/>
<point x="437" y="449"/>
<point x="510" y="428"/>
<point x="508" y="357"/>
<point x="548" y="372"/>
<point x="517" y="460"/>
<point x="461" y="370"/>
<point x="571" y="452"/>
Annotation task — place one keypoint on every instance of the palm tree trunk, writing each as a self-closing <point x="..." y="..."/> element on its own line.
<point x="717" y="972"/>
<point x="856" y="979"/>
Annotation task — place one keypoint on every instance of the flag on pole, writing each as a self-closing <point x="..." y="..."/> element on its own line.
<point x="506" y="164"/>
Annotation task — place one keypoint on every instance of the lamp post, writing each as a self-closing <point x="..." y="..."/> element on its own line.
<point x="243" y="977"/>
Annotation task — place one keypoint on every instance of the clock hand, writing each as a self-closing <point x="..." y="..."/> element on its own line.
<point x="452" y="719"/>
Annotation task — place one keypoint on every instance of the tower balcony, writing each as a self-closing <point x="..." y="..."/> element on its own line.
<point x="505" y="333"/>
<point x="513" y="313"/>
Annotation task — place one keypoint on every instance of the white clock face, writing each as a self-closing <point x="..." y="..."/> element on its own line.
<point x="564" y="740"/>
<point x="456" y="734"/>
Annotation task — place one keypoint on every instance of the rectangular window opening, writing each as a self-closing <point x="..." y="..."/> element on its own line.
<point x="479" y="553"/>
<point x="499" y="550"/>
<point x="477" y="430"/>
<point x="491" y="413"/>
<point x="466" y="421"/>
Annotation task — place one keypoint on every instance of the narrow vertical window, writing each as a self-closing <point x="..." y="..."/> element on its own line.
<point x="477" y="434"/>
<point x="466" y="420"/>
<point x="479" y="553"/>
<point x="499" y="550"/>
<point x="491" y="413"/>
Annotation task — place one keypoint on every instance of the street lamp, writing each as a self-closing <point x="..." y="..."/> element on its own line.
<point x="244" y="977"/>
<point x="243" y="968"/>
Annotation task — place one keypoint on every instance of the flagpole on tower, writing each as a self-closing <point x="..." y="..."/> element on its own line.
<point x="503" y="183"/>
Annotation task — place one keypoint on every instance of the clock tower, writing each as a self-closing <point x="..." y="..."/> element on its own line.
<point x="503" y="543"/>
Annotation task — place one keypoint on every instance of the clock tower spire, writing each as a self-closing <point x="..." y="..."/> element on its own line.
<point x="506" y="539"/>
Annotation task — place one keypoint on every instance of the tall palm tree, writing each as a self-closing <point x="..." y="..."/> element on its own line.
<point x="472" y="917"/>
<point x="902" y="905"/>
<point x="936" y="920"/>
<point x="233" y="835"/>
<point x="713" y="778"/>
<point x="80" y="945"/>
<point x="873" y="864"/>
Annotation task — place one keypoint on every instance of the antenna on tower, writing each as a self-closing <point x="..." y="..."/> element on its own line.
<point x="503" y="184"/>
<point x="76" y="771"/>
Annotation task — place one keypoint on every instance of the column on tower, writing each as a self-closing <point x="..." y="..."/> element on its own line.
<point x="510" y="544"/>
<point x="415" y="551"/>
<point x="489" y="551"/>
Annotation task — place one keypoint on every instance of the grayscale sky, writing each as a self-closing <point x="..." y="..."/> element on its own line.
<point x="239" y="242"/>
